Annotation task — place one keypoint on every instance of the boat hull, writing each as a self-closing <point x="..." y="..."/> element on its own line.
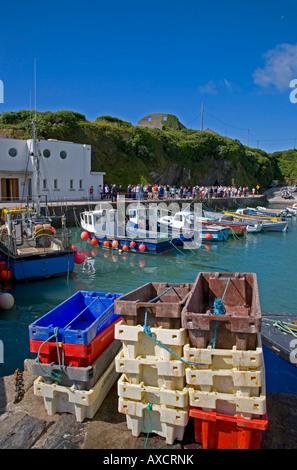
<point x="41" y="266"/>
<point x="152" y="246"/>
<point x="279" y="350"/>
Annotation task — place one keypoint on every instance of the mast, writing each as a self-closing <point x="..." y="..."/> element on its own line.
<point x="35" y="152"/>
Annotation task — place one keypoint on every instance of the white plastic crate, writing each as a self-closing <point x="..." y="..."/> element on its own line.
<point x="225" y="358"/>
<point x="169" y="423"/>
<point x="81" y="403"/>
<point x="136" y="343"/>
<point x="239" y="402"/>
<point x="152" y="372"/>
<point x="226" y="380"/>
<point x="155" y="395"/>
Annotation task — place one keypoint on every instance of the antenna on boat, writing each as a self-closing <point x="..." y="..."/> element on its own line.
<point x="35" y="151"/>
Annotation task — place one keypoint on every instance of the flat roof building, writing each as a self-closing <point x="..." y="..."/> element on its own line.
<point x="65" y="170"/>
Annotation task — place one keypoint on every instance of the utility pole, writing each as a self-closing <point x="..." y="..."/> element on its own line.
<point x="202" y="117"/>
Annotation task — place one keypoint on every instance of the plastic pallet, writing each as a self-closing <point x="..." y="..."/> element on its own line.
<point x="240" y="323"/>
<point x="81" y="403"/>
<point x="225" y="358"/>
<point x="164" y="311"/>
<point x="77" y="355"/>
<point x="137" y="344"/>
<point x="152" y="372"/>
<point x="82" y="378"/>
<point x="230" y="403"/>
<point x="155" y="395"/>
<point x="79" y="319"/>
<point x="167" y="422"/>
<point x="219" y="431"/>
<point x="226" y="381"/>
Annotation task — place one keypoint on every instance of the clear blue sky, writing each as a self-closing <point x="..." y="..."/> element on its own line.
<point x="131" y="58"/>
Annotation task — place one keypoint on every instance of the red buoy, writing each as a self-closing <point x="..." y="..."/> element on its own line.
<point x="142" y="247"/>
<point x="84" y="235"/>
<point x="79" y="257"/>
<point x="94" y="241"/>
<point x="125" y="248"/>
<point x="133" y="244"/>
<point x="106" y="243"/>
<point x="73" y="247"/>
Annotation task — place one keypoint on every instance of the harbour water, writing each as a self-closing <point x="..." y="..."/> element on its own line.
<point x="272" y="256"/>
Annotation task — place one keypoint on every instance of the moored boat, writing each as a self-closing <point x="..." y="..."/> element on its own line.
<point x="104" y="227"/>
<point x="279" y="339"/>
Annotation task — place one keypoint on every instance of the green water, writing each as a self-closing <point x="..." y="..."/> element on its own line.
<point x="272" y="256"/>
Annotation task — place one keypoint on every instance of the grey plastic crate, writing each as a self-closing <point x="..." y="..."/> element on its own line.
<point x="83" y="378"/>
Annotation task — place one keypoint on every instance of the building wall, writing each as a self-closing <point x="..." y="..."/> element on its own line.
<point x="153" y="121"/>
<point x="65" y="168"/>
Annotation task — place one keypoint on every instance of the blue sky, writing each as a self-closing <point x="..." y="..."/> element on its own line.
<point x="129" y="59"/>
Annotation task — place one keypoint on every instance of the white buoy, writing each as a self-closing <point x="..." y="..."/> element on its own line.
<point x="6" y="301"/>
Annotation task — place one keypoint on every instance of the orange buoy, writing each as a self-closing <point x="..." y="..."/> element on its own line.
<point x="84" y="235"/>
<point x="208" y="236"/>
<point x="125" y="248"/>
<point x="142" y="247"/>
<point x="94" y="241"/>
<point x="6" y="274"/>
<point x="106" y="243"/>
<point x="73" y="247"/>
<point x="133" y="244"/>
<point x="115" y="244"/>
<point x="53" y="230"/>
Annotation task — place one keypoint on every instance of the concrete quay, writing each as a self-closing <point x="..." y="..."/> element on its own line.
<point x="26" y="425"/>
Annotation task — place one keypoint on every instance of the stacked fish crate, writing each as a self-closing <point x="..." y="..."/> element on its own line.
<point x="226" y="383"/>
<point x="152" y="387"/>
<point x="76" y="348"/>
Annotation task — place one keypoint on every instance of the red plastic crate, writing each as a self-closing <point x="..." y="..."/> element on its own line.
<point x="218" y="431"/>
<point x="77" y="355"/>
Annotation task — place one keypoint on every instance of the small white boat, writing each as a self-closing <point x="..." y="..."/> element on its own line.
<point x="254" y="228"/>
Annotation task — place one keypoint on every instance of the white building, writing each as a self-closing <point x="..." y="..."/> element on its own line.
<point x="65" y="170"/>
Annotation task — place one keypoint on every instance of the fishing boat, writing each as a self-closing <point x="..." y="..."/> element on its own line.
<point x="139" y="234"/>
<point x="279" y="340"/>
<point x="248" y="213"/>
<point x="233" y="223"/>
<point x="29" y="245"/>
<point x="184" y="225"/>
<point x="292" y="209"/>
<point x="272" y="212"/>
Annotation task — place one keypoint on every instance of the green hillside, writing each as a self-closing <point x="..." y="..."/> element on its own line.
<point x="132" y="154"/>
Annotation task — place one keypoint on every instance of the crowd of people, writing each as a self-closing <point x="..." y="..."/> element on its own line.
<point x="157" y="192"/>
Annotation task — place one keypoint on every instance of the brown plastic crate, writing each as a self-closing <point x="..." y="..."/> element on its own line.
<point x="164" y="311"/>
<point x="241" y="322"/>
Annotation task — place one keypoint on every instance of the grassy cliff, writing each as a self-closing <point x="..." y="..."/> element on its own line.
<point x="132" y="154"/>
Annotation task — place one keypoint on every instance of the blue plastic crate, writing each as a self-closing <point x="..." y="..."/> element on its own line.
<point x="78" y="319"/>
